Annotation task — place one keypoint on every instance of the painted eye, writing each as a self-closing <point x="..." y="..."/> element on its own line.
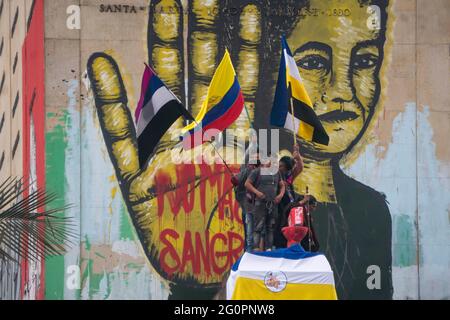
<point x="313" y="62"/>
<point x="364" y="61"/>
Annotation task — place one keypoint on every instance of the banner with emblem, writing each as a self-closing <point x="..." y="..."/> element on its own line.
<point x="284" y="274"/>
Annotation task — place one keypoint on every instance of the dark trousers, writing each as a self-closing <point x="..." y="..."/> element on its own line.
<point x="279" y="241"/>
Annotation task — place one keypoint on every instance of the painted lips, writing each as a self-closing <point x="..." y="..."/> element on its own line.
<point x="338" y="116"/>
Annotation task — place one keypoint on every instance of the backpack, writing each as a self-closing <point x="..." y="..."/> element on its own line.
<point x="296" y="216"/>
<point x="292" y="213"/>
<point x="296" y="230"/>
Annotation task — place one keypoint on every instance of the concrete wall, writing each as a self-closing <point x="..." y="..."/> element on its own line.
<point x="388" y="203"/>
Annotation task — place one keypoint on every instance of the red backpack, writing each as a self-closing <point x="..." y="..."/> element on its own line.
<point x="296" y="229"/>
<point x="296" y="216"/>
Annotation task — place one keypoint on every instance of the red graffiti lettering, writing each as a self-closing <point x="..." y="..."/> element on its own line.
<point x="181" y="194"/>
<point x="202" y="254"/>
<point x="212" y="176"/>
<point x="168" y="249"/>
<point x="217" y="269"/>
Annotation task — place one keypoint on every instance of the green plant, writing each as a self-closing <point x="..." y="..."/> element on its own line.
<point x="27" y="229"/>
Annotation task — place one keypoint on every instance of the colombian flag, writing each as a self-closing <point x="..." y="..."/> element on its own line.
<point x="290" y="89"/>
<point x="222" y="106"/>
<point x="284" y="274"/>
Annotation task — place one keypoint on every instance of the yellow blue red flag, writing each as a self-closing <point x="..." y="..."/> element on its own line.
<point x="223" y="105"/>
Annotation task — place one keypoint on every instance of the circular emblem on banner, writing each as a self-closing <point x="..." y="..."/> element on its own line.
<point x="275" y="281"/>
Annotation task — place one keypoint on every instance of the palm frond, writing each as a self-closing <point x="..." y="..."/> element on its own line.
<point x="27" y="229"/>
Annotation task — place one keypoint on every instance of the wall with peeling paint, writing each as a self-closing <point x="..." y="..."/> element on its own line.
<point x="403" y="156"/>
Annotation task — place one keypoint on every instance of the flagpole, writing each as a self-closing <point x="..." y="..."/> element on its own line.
<point x="220" y="156"/>
<point x="248" y="116"/>
<point x="308" y="217"/>
<point x="223" y="160"/>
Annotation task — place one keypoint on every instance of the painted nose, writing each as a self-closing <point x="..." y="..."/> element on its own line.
<point x="339" y="90"/>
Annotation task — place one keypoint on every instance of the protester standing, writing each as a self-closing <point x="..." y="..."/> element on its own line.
<point x="290" y="168"/>
<point x="266" y="190"/>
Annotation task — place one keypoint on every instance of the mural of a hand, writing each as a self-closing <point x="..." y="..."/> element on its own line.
<point x="184" y="214"/>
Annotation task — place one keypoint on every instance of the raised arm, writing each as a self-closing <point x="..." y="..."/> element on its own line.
<point x="298" y="166"/>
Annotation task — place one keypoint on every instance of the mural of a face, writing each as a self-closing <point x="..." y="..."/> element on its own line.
<point x="339" y="58"/>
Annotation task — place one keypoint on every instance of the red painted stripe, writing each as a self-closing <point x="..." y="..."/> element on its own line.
<point x="33" y="81"/>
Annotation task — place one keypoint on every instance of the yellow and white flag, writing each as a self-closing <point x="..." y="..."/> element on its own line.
<point x="284" y="274"/>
